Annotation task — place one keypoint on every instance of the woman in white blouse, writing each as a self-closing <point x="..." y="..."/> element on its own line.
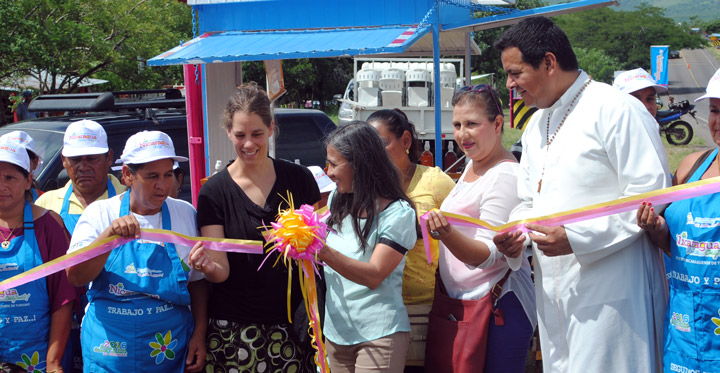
<point x="470" y="265"/>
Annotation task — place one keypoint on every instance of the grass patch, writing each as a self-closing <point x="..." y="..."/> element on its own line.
<point x="676" y="153"/>
<point x="332" y="112"/>
<point x="510" y="136"/>
<point x="715" y="51"/>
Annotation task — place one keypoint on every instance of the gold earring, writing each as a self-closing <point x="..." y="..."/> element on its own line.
<point x="407" y="151"/>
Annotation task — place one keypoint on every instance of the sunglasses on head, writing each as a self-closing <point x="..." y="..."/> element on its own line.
<point x="481" y="88"/>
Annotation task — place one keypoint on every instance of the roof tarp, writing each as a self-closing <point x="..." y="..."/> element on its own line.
<point x="517" y="16"/>
<point x="231" y="46"/>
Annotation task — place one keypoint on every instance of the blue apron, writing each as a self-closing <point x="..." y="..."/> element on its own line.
<point x="72" y="358"/>
<point x="24" y="310"/>
<point x="34" y="193"/>
<point x="71" y="220"/>
<point x="138" y="317"/>
<point x="692" y="321"/>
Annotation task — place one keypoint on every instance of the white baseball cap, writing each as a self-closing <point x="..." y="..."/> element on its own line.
<point x="635" y="80"/>
<point x="22" y="138"/>
<point x="84" y="137"/>
<point x="713" y="88"/>
<point x="12" y="152"/>
<point x="149" y="146"/>
<point x="118" y="168"/>
<point x="325" y="184"/>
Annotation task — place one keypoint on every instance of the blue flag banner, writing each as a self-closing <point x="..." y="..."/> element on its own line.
<point x="659" y="63"/>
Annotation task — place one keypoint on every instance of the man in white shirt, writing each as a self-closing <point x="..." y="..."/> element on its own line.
<point x="599" y="284"/>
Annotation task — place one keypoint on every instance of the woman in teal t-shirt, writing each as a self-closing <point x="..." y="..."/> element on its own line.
<point x="373" y="225"/>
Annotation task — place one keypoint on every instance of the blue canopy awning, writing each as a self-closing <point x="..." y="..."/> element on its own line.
<point x="230" y="46"/>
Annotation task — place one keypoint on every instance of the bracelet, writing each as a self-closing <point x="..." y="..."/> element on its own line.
<point x="56" y="370"/>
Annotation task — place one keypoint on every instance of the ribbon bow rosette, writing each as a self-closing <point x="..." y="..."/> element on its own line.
<point x="299" y="234"/>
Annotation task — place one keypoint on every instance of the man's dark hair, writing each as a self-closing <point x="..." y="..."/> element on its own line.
<point x="536" y="36"/>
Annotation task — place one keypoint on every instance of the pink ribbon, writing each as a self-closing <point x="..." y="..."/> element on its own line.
<point x="656" y="197"/>
<point x="106" y="245"/>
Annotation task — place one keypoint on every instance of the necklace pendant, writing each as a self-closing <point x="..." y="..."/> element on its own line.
<point x="5" y="244"/>
<point x="539" y="185"/>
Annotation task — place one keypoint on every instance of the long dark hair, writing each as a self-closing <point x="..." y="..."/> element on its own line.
<point x="374" y="177"/>
<point x="397" y="123"/>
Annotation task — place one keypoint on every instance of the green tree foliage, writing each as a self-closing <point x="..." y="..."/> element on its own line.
<point x="679" y="10"/>
<point x="489" y="61"/>
<point x="91" y="38"/>
<point x="598" y="64"/>
<point x="712" y="26"/>
<point x="627" y="36"/>
<point x="307" y="78"/>
<point x="604" y="40"/>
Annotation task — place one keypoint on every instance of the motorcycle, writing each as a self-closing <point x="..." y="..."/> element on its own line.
<point x="677" y="132"/>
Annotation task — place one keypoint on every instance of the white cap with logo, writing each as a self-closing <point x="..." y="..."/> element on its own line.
<point x="12" y="152"/>
<point x="84" y="137"/>
<point x="713" y="88"/>
<point x="149" y="146"/>
<point x="325" y="184"/>
<point x="22" y="138"/>
<point x="635" y="80"/>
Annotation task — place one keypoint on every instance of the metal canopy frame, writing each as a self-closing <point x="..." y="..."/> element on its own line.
<point x="511" y="18"/>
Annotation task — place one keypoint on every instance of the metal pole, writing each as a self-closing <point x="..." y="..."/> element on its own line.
<point x="196" y="134"/>
<point x="468" y="67"/>
<point x="437" y="87"/>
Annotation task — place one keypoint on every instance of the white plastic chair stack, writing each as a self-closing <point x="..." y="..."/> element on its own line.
<point x="418" y="86"/>
<point x="448" y="81"/>
<point x="391" y="86"/>
<point x="368" y="87"/>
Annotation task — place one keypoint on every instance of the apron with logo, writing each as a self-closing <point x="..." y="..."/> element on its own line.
<point x="692" y="321"/>
<point x="138" y="317"/>
<point x="72" y="358"/>
<point x="71" y="220"/>
<point x="24" y="310"/>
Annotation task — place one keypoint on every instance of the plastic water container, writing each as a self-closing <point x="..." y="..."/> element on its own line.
<point x="418" y="87"/>
<point x="392" y="85"/>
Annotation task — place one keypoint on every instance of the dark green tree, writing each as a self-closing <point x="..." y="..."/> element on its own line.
<point x="316" y="79"/>
<point x="712" y="26"/>
<point x="627" y="36"/>
<point x="489" y="62"/>
<point x="91" y="38"/>
<point x="598" y="64"/>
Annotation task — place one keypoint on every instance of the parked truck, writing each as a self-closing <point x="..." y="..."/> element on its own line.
<point x="406" y="84"/>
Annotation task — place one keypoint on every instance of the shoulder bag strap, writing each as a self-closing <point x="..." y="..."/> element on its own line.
<point x="696" y="165"/>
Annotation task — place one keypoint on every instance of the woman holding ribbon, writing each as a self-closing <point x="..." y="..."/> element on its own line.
<point x="138" y="317"/>
<point x="373" y="225"/>
<point x="475" y="279"/>
<point x="688" y="232"/>
<point x="426" y="186"/>
<point x="35" y="316"/>
<point x="248" y="305"/>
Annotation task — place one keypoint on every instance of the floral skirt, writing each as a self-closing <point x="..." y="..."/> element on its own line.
<point x="246" y="347"/>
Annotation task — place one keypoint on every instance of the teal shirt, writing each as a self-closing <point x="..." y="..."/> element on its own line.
<point x="354" y="313"/>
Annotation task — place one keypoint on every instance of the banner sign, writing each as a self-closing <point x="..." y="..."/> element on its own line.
<point x="659" y="63"/>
